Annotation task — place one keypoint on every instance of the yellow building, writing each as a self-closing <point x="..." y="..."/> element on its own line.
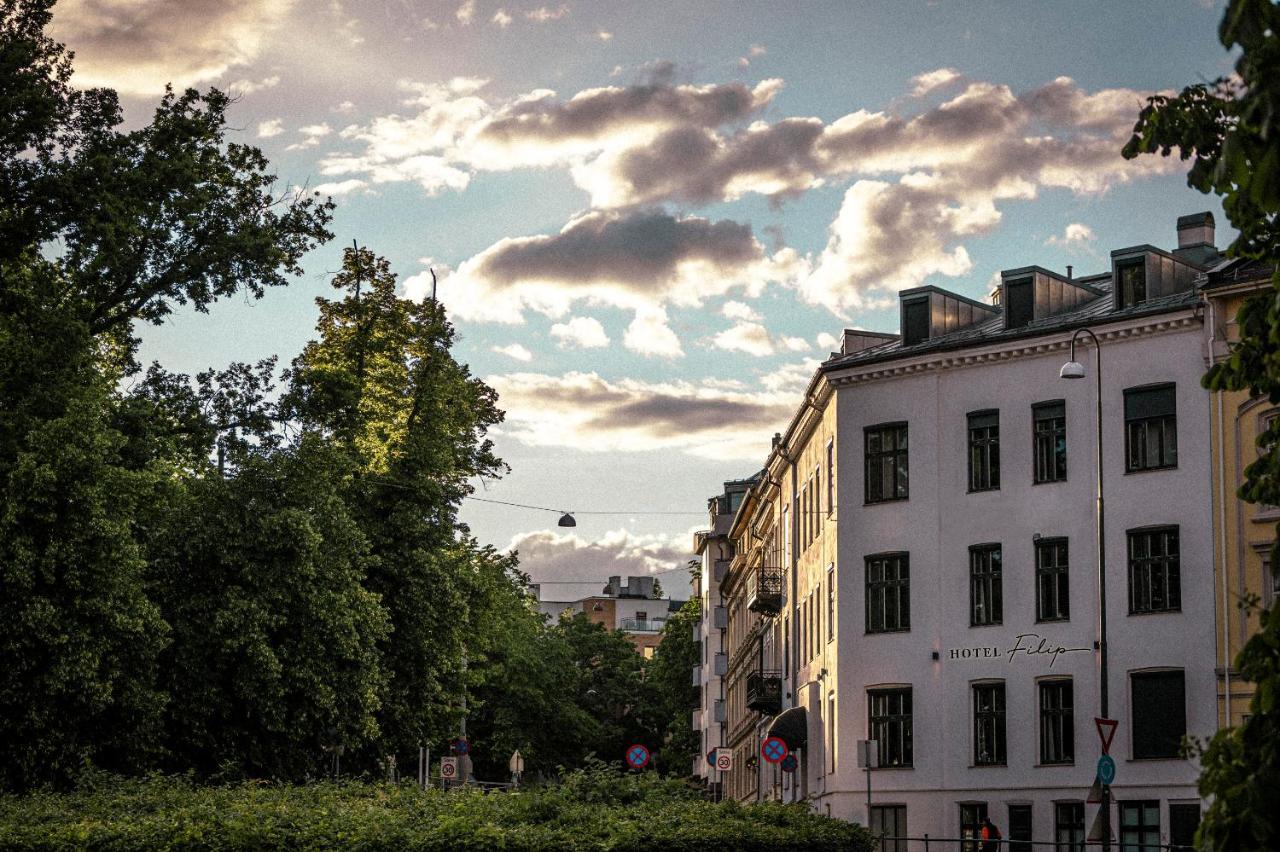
<point x="1244" y="532"/>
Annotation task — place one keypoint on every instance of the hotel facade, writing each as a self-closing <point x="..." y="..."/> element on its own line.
<point x="916" y="564"/>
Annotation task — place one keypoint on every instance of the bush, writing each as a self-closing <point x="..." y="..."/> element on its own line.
<point x="596" y="809"/>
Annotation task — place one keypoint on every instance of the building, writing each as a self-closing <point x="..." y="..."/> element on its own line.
<point x="1245" y="532"/>
<point x="714" y="551"/>
<point x="634" y="607"/>
<point x="917" y="563"/>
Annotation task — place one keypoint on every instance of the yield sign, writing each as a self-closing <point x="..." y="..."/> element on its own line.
<point x="1106" y="732"/>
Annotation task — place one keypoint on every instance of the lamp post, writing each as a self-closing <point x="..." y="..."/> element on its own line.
<point x="1073" y="369"/>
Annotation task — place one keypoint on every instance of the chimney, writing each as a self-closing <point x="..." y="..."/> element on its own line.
<point x="1069" y="268"/>
<point x="777" y="439"/>
<point x="1195" y="230"/>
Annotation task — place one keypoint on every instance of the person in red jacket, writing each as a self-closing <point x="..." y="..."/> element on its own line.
<point x="990" y="836"/>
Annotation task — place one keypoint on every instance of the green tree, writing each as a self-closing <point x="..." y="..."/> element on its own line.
<point x="381" y="384"/>
<point x="1230" y="130"/>
<point x="672" y="693"/>
<point x="611" y="688"/>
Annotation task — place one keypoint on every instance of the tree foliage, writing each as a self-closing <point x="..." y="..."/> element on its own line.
<point x="1230" y="131"/>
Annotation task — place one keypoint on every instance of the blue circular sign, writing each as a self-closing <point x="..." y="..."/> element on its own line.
<point x="1106" y="769"/>
<point x="461" y="746"/>
<point x="637" y="757"/>
<point x="789" y="763"/>
<point x="711" y="757"/>
<point x="773" y="749"/>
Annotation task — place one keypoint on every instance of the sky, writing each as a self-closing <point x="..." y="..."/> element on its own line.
<point x="650" y="221"/>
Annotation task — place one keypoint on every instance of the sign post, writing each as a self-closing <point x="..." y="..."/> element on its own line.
<point x="516" y="765"/>
<point x="773" y="749"/>
<point x="448" y="771"/>
<point x="868" y="759"/>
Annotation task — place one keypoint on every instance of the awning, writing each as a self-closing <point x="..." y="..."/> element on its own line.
<point x="792" y="727"/>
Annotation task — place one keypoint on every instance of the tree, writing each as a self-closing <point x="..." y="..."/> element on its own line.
<point x="673" y="694"/>
<point x="1230" y="130"/>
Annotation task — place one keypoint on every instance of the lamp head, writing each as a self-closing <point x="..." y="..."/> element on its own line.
<point x="566" y="520"/>
<point x="1071" y="370"/>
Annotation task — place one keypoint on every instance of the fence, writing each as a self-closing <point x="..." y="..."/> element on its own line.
<point x="926" y="843"/>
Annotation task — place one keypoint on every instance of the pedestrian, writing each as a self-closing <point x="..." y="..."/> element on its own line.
<point x="990" y="836"/>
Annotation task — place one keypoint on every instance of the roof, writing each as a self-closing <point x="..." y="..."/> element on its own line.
<point x="1095" y="311"/>
<point x="1238" y="270"/>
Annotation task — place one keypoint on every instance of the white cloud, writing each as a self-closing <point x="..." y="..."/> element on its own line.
<point x="587" y="412"/>
<point x="248" y="87"/>
<point x="739" y="311"/>
<point x="1076" y="235"/>
<point x="137" y="46"/>
<point x="580" y="333"/>
<point x="501" y="18"/>
<point x="543" y="14"/>
<point x="571" y="567"/>
<point x="270" y="127"/>
<point x="466" y="12"/>
<point x="344" y="108"/>
<point x="514" y="350"/>
<point x="828" y="342"/>
<point x="650" y="335"/>
<point x="315" y="130"/>
<point x="344" y="187"/>
<point x="604" y="35"/>
<point x="930" y="81"/>
<point x="749" y="337"/>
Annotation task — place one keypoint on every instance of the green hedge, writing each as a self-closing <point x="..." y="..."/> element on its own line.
<point x="596" y="809"/>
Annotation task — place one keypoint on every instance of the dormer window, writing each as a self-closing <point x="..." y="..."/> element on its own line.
<point x="915" y="321"/>
<point x="1131" y="283"/>
<point x="1019" y="303"/>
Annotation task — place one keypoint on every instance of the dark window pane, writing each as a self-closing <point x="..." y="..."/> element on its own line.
<point x="1049" y="442"/>
<point x="888" y="593"/>
<point x="1068" y="827"/>
<point x="1052" y="580"/>
<point x="1151" y="428"/>
<point x="1155" y="581"/>
<point x="1158" y="714"/>
<point x="1019" y="300"/>
<point x="988" y="724"/>
<point x="889" y="724"/>
<point x="984" y="450"/>
<point x="1020" y="828"/>
<point x="915" y="321"/>
<point x="1184" y="819"/>
<point x="1132" y="284"/>
<point x="886" y="462"/>
<point x="986" y="593"/>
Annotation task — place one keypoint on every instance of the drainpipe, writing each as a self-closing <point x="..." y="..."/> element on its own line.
<point x="1222" y="528"/>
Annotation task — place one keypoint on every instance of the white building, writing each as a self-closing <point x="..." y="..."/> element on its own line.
<point x="634" y="607"/>
<point x="933" y="508"/>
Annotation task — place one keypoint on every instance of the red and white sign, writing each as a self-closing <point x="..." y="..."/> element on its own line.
<point x="724" y="759"/>
<point x="448" y="768"/>
<point x="1106" y="732"/>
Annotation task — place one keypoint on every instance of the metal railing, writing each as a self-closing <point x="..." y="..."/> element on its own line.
<point x="927" y="843"/>
<point x="643" y="625"/>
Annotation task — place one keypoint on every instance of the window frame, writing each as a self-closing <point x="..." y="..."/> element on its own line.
<point x="1025" y="286"/>
<point x="880" y="587"/>
<point x="990" y="723"/>
<point x="1057" y="724"/>
<point x="1072" y="826"/>
<point x="900" y="462"/>
<point x="1125" y="300"/>
<point x="1141" y="720"/>
<point x="988" y="578"/>
<point x="971" y="828"/>
<point x="1147" y="834"/>
<point x="1141" y="570"/>
<point x="1051" y="435"/>
<point x="831" y="477"/>
<point x="889" y="719"/>
<point x="831" y="602"/>
<point x="983" y="450"/>
<point x="877" y="816"/>
<point x="1168" y="431"/>
<point x="1058" y="575"/>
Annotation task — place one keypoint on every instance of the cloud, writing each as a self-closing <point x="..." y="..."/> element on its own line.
<point x="828" y="342"/>
<point x="604" y="35"/>
<point x="270" y="127"/>
<point x="466" y="12"/>
<point x="571" y="567"/>
<point x="1076" y="235"/>
<point x="930" y="81"/>
<point x="543" y="14"/>
<point x="752" y="338"/>
<point x="514" y="350"/>
<point x="312" y="134"/>
<point x="137" y="46"/>
<point x="580" y="333"/>
<point x="501" y="18"/>
<point x="650" y="335"/>
<point x="248" y="87"/>
<point x="642" y="260"/>
<point x="739" y="311"/>
<point x="344" y="187"/>
<point x="587" y="412"/>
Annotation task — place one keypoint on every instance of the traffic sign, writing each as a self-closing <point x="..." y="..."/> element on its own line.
<point x="773" y="749"/>
<point x="711" y="757"/>
<point x="516" y="763"/>
<point x="461" y="746"/>
<point x="1106" y="769"/>
<point x="789" y="763"/>
<point x="637" y="757"/>
<point x="1094" y="795"/>
<point x="448" y="768"/>
<point x="1100" y="830"/>
<point x="724" y="759"/>
<point x="1106" y="732"/>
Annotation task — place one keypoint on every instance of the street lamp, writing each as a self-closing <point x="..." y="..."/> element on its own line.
<point x="1073" y="369"/>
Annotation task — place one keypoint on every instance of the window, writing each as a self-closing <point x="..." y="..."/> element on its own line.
<point x="1184" y="819"/>
<point x="888" y="593"/>
<point x="831" y="602"/>
<point x="831" y="731"/>
<point x="915" y="321"/>
<point x="889" y="823"/>
<point x="984" y="450"/>
<point x="1020" y="828"/>
<point x="1057" y="722"/>
<point x="641" y="615"/>
<point x="1049" y="441"/>
<point x="1131" y="283"/>
<point x="1155" y="584"/>
<point x="1052" y="580"/>
<point x="886" y="454"/>
<point x="972" y="815"/>
<point x="1140" y="826"/>
<point x="1068" y="827"/>
<point x="1158" y="713"/>
<point x="1150" y="429"/>
<point x="988" y="724"/>
<point x="986" y="595"/>
<point x="831" y="477"/>
<point x="1019" y="303"/>
<point x="889" y="724"/>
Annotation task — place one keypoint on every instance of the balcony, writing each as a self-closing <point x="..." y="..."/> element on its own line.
<point x="720" y="665"/>
<point x="764" y="591"/>
<point x="764" y="692"/>
<point x="643" y="625"/>
<point x="720" y="617"/>
<point x="697" y="676"/>
<point x="719" y="568"/>
<point x="717" y="710"/>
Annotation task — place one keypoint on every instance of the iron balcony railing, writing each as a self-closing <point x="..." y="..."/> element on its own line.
<point x="643" y="625"/>
<point x="764" y="591"/>
<point x="764" y="692"/>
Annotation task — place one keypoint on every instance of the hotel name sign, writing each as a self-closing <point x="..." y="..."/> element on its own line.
<point x="1024" y="646"/>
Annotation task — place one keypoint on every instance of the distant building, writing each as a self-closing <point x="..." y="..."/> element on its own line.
<point x="916" y="564"/>
<point x="632" y="607"/>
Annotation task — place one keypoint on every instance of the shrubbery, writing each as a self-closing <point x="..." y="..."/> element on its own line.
<point x="596" y="808"/>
